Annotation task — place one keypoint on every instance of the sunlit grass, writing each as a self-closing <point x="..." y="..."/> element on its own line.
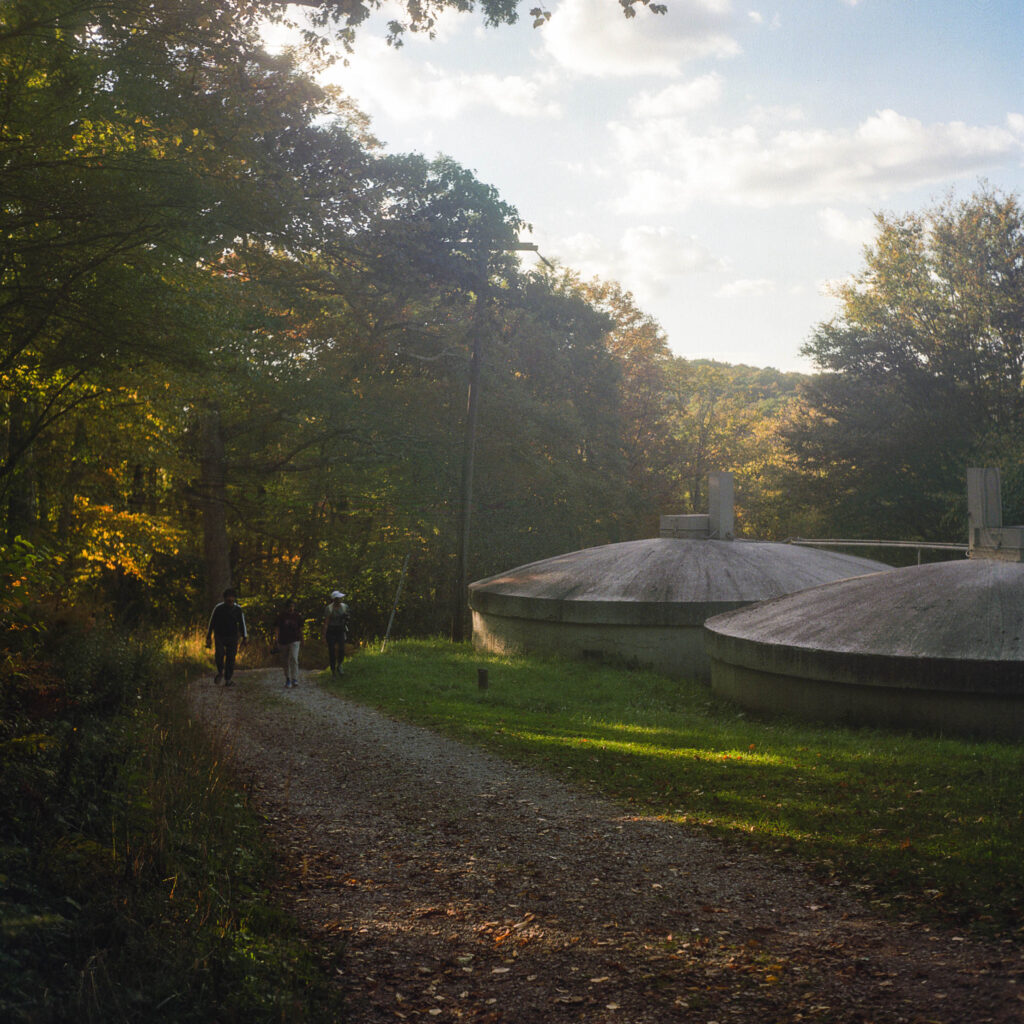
<point x="927" y="825"/>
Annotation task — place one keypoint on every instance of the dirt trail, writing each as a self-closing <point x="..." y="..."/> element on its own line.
<point x="458" y="887"/>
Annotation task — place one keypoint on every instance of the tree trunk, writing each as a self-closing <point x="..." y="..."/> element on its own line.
<point x="22" y="497"/>
<point x="213" y="503"/>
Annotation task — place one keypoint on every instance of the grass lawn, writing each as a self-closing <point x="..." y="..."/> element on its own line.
<point x="925" y="825"/>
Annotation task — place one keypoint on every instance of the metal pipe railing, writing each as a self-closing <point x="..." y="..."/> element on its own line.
<point x="919" y="546"/>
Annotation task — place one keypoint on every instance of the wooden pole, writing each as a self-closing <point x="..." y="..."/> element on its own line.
<point x="459" y="596"/>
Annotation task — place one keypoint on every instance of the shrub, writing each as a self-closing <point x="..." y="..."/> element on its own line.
<point x="131" y="867"/>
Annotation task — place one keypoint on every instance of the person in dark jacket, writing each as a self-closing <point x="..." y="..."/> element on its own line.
<point x="289" y="638"/>
<point x="227" y="628"/>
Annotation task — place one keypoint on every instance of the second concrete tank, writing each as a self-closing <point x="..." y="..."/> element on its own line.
<point x="936" y="647"/>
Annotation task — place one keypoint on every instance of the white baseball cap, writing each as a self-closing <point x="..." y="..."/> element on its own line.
<point x="336" y="594"/>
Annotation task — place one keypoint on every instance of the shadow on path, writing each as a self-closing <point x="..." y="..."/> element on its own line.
<point x="454" y="886"/>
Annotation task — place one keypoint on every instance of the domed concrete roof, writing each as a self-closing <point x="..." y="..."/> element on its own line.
<point x="662" y="581"/>
<point x="969" y="611"/>
<point x="939" y="647"/>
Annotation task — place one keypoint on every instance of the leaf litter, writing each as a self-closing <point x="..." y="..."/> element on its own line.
<point x="443" y="883"/>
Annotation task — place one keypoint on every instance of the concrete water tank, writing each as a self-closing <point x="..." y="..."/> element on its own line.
<point x="643" y="602"/>
<point x="934" y="647"/>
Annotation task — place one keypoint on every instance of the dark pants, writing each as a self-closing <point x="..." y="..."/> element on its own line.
<point x="336" y="647"/>
<point x="224" y="651"/>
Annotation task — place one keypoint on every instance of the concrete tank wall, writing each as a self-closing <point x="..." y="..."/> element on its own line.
<point x="675" y="650"/>
<point x="937" y="648"/>
<point x="811" y="695"/>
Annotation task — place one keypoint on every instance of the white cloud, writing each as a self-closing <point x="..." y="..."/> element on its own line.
<point x="591" y="37"/>
<point x="769" y="118"/>
<point x="746" y="288"/>
<point x="659" y="255"/>
<point x="679" y="98"/>
<point x="670" y="166"/>
<point x="649" y="261"/>
<point x="852" y="230"/>
<point x="577" y="168"/>
<point x="757" y="18"/>
<point x="390" y="82"/>
<point x="585" y="253"/>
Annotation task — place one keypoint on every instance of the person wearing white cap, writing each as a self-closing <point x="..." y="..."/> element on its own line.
<point x="336" y="631"/>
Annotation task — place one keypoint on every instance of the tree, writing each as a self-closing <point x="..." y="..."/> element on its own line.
<point x="922" y="370"/>
<point x="419" y="15"/>
<point x="125" y="175"/>
<point x="638" y="349"/>
<point x="544" y="484"/>
<point x="144" y="146"/>
<point x="210" y="291"/>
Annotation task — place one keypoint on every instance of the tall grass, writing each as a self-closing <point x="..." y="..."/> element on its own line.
<point x="930" y="825"/>
<point x="132" y="871"/>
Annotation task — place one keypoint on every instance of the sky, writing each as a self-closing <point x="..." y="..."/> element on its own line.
<point x="724" y="161"/>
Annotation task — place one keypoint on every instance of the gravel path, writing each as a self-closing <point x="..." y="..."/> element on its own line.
<point x="454" y="886"/>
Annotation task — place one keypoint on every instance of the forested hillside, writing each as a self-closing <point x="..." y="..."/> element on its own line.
<point x="236" y="342"/>
<point x="237" y="339"/>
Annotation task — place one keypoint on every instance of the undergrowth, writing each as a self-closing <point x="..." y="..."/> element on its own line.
<point x="132" y="870"/>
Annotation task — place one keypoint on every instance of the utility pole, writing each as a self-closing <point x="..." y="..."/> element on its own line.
<point x="481" y="321"/>
<point x="460" y="594"/>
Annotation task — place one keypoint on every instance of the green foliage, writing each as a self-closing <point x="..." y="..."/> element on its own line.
<point x="131" y="868"/>
<point x="237" y="343"/>
<point x="730" y="418"/>
<point x="923" y="372"/>
<point x="341" y="16"/>
<point x="923" y="825"/>
<point x="239" y="336"/>
<point x="127" y="179"/>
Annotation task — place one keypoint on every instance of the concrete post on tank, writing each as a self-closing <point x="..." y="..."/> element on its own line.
<point x="986" y="535"/>
<point x="721" y="519"/>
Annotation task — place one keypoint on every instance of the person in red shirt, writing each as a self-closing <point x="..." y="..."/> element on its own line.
<point x="289" y="638"/>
